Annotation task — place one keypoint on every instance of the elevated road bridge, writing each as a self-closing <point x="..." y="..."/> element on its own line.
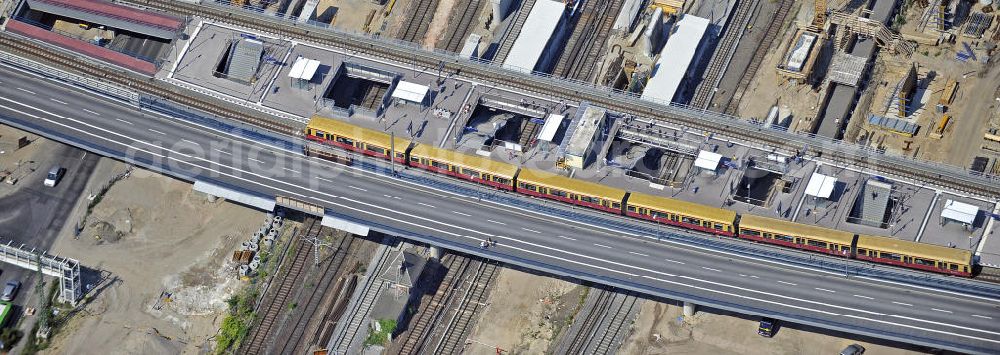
<point x="550" y="237"/>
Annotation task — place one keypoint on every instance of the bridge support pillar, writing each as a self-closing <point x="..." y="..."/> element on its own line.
<point x="437" y="253"/>
<point x="211" y="198"/>
<point x="689" y="309"/>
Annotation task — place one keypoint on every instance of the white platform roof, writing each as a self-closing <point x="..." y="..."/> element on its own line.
<point x="412" y="92"/>
<point x="821" y="185"/>
<point x="303" y="68"/>
<point x="675" y="58"/>
<point x="344" y="225"/>
<point x="550" y="127"/>
<point x="959" y="211"/>
<point x="266" y="204"/>
<point x="708" y="160"/>
<point x="534" y="37"/>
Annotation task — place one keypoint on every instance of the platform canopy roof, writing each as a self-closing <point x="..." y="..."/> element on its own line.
<point x="550" y="127"/>
<point x="959" y="211"/>
<point x="534" y="37"/>
<point x="303" y="68"/>
<point x="412" y="92"/>
<point x="708" y="160"/>
<point x="675" y="59"/>
<point x="821" y="185"/>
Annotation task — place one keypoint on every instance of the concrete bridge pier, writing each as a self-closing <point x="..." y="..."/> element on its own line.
<point x="689" y="309"/>
<point x="437" y="253"/>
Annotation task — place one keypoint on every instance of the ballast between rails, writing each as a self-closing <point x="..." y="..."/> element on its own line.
<point x="709" y="122"/>
<point x="663" y="210"/>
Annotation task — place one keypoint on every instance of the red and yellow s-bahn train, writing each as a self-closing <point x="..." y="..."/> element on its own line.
<point x="541" y="184"/>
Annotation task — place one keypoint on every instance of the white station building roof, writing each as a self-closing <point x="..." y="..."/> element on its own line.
<point x="821" y="185"/>
<point x="408" y="91"/>
<point x="708" y="160"/>
<point x="675" y="58"/>
<point x="534" y="37"/>
<point x="303" y="68"/>
<point x="550" y="127"/>
<point x="959" y="211"/>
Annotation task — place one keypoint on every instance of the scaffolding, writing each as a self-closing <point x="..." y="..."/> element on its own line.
<point x="862" y="26"/>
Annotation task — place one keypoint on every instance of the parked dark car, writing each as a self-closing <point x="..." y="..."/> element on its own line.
<point x="853" y="349"/>
<point x="767" y="327"/>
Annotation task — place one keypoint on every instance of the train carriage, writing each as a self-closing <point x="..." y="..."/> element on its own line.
<point x="681" y="213"/>
<point x="796" y="235"/>
<point x="915" y="255"/>
<point x="560" y="188"/>
<point x="359" y="139"/>
<point x="469" y="167"/>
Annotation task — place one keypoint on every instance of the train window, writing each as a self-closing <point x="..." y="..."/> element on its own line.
<point x="891" y="256"/>
<point x="616" y="206"/>
<point x="470" y="172"/>
<point x="631" y="209"/>
<point x="784" y="238"/>
<point x="501" y="180"/>
<point x="318" y="133"/>
<point x="816" y="243"/>
<point x="750" y="232"/>
<point x="691" y="220"/>
<point x="862" y="252"/>
<point x="343" y="140"/>
<point x="658" y="214"/>
<point x="439" y="165"/>
<point x="555" y="192"/>
<point x="414" y="159"/>
<point x="954" y="267"/>
<point x="920" y="261"/>
<point x="374" y="149"/>
<point x="718" y="226"/>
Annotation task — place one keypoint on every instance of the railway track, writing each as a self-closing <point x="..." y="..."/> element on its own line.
<point x="585" y="46"/>
<point x="294" y="338"/>
<point x="270" y="310"/>
<point x="720" y="126"/>
<point x="474" y="300"/>
<point x="723" y="53"/>
<point x="456" y="37"/>
<point x="422" y="13"/>
<point x="602" y="324"/>
<point x="420" y="328"/>
<point x="776" y="24"/>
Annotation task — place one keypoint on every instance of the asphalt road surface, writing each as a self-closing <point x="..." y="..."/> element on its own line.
<point x="526" y="237"/>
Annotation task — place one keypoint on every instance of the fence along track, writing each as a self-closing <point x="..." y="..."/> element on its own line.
<point x="269" y="312"/>
<point x="420" y="328"/>
<point x="456" y="38"/>
<point x="30" y="49"/>
<point x="294" y="341"/>
<point x="473" y="301"/>
<point x="842" y="153"/>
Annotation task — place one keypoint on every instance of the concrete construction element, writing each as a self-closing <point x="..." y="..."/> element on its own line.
<point x="585" y="140"/>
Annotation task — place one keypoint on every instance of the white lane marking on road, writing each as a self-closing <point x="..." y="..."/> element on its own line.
<point x="773" y="295"/>
<point x="293" y="171"/>
<point x="565" y="237"/>
<point x="462" y="214"/>
<point x="223" y="152"/>
<point x="155" y="131"/>
<point x="865" y="297"/>
<point x="639" y="254"/>
<point x="256" y="160"/>
<point x="397" y="197"/>
<point x="711" y="269"/>
<point x="937" y="324"/>
<point x="741" y="296"/>
<point x="324" y="179"/>
<point x="532" y="230"/>
<point x="824" y="290"/>
<point x="903" y="304"/>
<point x="602" y="246"/>
<point x="87" y="132"/>
<point x="123" y="121"/>
<point x="27" y="91"/>
<point x="754" y="277"/>
<point x="62" y="102"/>
<point x="497" y="222"/>
<point x="674" y="261"/>
<point x="425" y="205"/>
<point x="941" y="310"/>
<point x="356" y="188"/>
<point x="983" y="317"/>
<point x="741" y="275"/>
<point x="91" y="112"/>
<point x="189" y="141"/>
